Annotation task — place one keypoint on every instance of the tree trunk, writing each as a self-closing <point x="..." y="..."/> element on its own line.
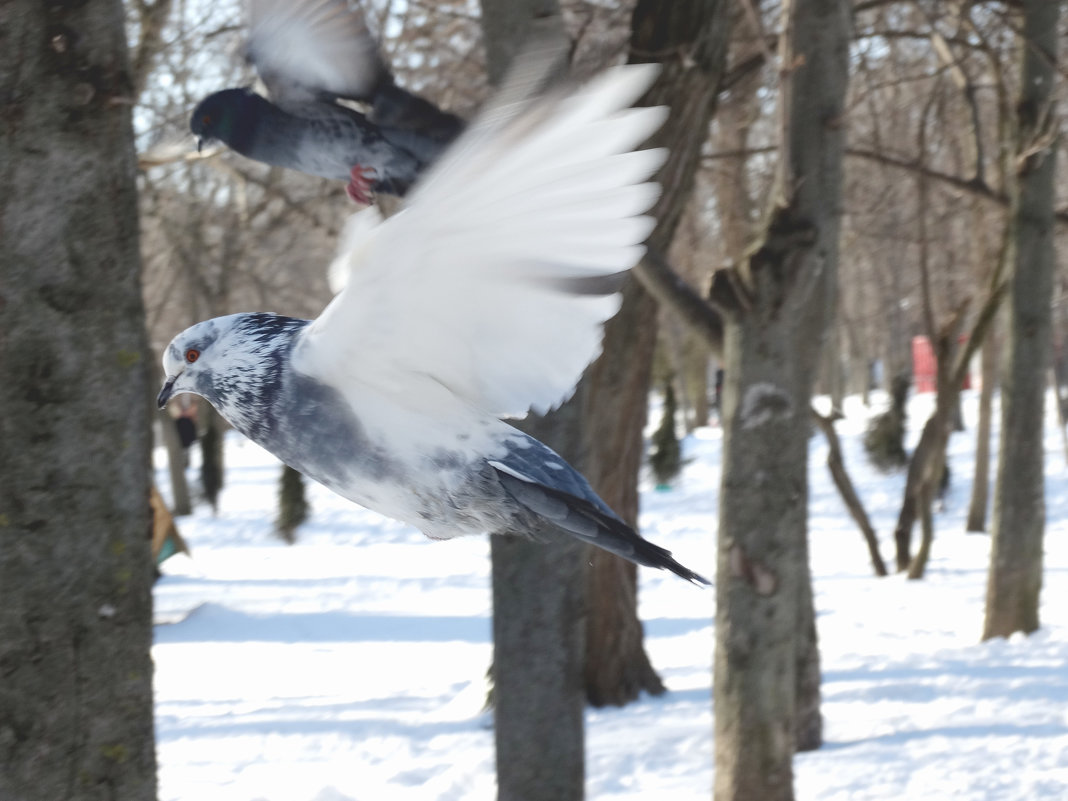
<point x="75" y="564"/>
<point x="981" y="478"/>
<point x="212" y="453"/>
<point x="832" y="376"/>
<point x="539" y="632"/>
<point x="539" y="646"/>
<point x="176" y="461"/>
<point x="177" y="455"/>
<point x="694" y="380"/>
<point x="292" y="504"/>
<point x="921" y="475"/>
<point x="778" y="306"/>
<point x="928" y="458"/>
<point x="539" y="623"/>
<point x="616" y="397"/>
<point x="924" y="498"/>
<point x="1015" y="577"/>
<point x="836" y="464"/>
<point x="808" y="722"/>
<point x="617" y="384"/>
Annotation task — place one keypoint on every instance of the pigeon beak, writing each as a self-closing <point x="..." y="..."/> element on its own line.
<point x="200" y="143"/>
<point x="165" y="393"/>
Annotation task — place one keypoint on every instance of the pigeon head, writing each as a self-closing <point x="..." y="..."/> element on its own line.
<point x="189" y="360"/>
<point x="227" y="116"/>
<point x="231" y="361"/>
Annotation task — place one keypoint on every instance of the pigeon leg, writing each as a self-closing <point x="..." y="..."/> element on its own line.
<point x="361" y="185"/>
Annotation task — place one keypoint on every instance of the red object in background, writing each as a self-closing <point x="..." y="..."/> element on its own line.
<point x="924" y="366"/>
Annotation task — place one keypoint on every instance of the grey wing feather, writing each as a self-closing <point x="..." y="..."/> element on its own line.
<point x="307" y="50"/>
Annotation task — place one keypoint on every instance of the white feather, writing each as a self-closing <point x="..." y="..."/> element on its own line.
<point x="358" y="229"/>
<point x="465" y="290"/>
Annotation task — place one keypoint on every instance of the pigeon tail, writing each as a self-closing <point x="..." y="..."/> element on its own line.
<point x="588" y="522"/>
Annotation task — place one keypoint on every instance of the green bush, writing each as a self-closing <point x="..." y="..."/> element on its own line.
<point x="885" y="438"/>
<point x="666" y="456"/>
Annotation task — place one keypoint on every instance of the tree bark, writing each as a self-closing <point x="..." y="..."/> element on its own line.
<point x="292" y="504"/>
<point x="928" y="457"/>
<point x="690" y="39"/>
<point x="212" y="429"/>
<point x="539" y="590"/>
<point x="539" y="646"/>
<point x="836" y="464"/>
<point x="778" y="305"/>
<point x="616" y="390"/>
<point x="977" y="506"/>
<point x="176" y="457"/>
<point x="1015" y="577"/>
<point x="75" y="563"/>
<point x="176" y="454"/>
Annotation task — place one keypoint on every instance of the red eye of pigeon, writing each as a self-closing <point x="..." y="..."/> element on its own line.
<point x="206" y="119"/>
<point x="192" y="355"/>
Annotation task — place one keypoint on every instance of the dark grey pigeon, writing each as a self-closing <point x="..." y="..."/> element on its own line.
<point x="485" y="296"/>
<point x="311" y="54"/>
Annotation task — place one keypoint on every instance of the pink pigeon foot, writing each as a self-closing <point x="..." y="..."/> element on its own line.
<point x="361" y="185"/>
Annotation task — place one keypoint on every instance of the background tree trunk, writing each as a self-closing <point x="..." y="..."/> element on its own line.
<point x="176" y="462"/>
<point x="691" y="37"/>
<point x="75" y="564"/>
<point x="778" y="307"/>
<point x="616" y="398"/>
<point x="977" y="506"/>
<point x="212" y="430"/>
<point x="539" y="624"/>
<point x="292" y="504"/>
<point x="177" y="455"/>
<point x="1019" y="507"/>
<point x="539" y="646"/>
<point x="836" y="465"/>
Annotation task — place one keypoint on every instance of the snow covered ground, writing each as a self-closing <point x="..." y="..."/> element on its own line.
<point x="350" y="666"/>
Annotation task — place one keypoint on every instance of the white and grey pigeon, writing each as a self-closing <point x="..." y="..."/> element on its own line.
<point x="310" y="54"/>
<point x="484" y="297"/>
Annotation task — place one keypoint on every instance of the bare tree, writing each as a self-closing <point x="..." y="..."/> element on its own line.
<point x="978" y="503"/>
<point x="1015" y="577"/>
<point x="778" y="304"/>
<point x="538" y="592"/>
<point x="75" y="562"/>
<point x="689" y="38"/>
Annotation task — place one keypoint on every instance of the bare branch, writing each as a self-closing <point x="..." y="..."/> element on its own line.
<point x="663" y="283"/>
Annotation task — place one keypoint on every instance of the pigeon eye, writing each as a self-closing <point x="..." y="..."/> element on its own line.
<point x="192" y="355"/>
<point x="206" y="119"/>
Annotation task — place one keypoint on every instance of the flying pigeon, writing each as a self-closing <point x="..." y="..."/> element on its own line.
<point x="484" y="297"/>
<point x="310" y="54"/>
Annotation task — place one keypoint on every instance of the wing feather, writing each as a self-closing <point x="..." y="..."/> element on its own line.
<point x="307" y="49"/>
<point x="495" y="280"/>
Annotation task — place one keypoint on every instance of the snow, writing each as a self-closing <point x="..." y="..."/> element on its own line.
<point x="351" y="666"/>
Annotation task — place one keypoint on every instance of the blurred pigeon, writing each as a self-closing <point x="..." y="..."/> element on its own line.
<point x="483" y="297"/>
<point x="310" y="54"/>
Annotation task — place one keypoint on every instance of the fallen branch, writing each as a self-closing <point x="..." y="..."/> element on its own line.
<point x="845" y="487"/>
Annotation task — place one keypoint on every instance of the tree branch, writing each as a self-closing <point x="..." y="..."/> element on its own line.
<point x="969" y="185"/>
<point x="663" y="283"/>
<point x="151" y="17"/>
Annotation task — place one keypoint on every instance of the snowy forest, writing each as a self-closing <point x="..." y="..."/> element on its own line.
<point x="836" y="386"/>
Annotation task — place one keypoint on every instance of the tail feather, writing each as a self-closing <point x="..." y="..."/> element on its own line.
<point x="584" y="520"/>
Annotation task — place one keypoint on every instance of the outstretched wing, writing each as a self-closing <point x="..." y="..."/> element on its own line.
<point x="494" y="281"/>
<point x="307" y="49"/>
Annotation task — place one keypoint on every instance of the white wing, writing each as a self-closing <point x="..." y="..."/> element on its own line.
<point x="302" y="48"/>
<point x="495" y="280"/>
